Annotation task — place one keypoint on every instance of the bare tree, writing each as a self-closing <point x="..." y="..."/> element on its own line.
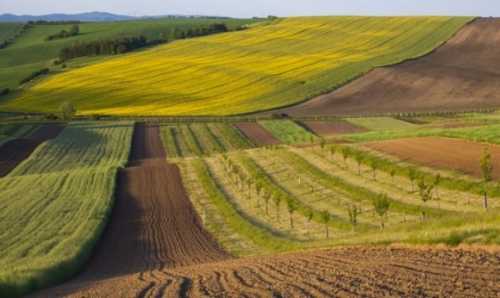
<point x="277" y="202"/>
<point x="359" y="159"/>
<point x="425" y="192"/>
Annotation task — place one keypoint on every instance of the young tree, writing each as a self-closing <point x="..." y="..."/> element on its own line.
<point x="437" y="181"/>
<point x="277" y="201"/>
<point x="325" y="218"/>
<point x="359" y="160"/>
<point x="68" y="110"/>
<point x="322" y="143"/>
<point x="266" y="201"/>
<point x="374" y="166"/>
<point x="392" y="173"/>
<point x="333" y="150"/>
<point x="345" y="154"/>
<point x="382" y="205"/>
<point x="309" y="216"/>
<point x="486" y="171"/>
<point x="292" y="207"/>
<point x="353" y="212"/>
<point x="425" y="192"/>
<point x="412" y="175"/>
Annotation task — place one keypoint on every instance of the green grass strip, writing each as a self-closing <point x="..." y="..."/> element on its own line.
<point x="235" y="220"/>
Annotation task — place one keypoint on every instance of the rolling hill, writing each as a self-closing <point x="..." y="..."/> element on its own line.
<point x="31" y="51"/>
<point x="268" y="66"/>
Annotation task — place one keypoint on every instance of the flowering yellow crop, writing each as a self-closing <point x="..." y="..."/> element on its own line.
<point x="264" y="67"/>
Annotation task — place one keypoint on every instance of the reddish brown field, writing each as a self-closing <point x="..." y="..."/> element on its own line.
<point x="257" y="133"/>
<point x="15" y="151"/>
<point x="329" y="128"/>
<point x="346" y="272"/>
<point x="463" y="74"/>
<point x="442" y="153"/>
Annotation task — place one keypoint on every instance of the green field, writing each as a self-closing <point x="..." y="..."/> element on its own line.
<point x="55" y="204"/>
<point x="32" y="52"/>
<point x="267" y="66"/>
<point x="381" y="123"/>
<point x="288" y="131"/>
<point x="196" y="139"/>
<point x="9" y="30"/>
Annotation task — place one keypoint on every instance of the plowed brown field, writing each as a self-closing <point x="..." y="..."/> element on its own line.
<point x="461" y="75"/>
<point x="327" y="128"/>
<point x="443" y="153"/>
<point x="347" y="272"/>
<point x="15" y="151"/>
<point x="257" y="133"/>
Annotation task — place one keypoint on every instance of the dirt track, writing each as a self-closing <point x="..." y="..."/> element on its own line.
<point x="15" y="151"/>
<point x="442" y="153"/>
<point x="257" y="133"/>
<point x="461" y="75"/>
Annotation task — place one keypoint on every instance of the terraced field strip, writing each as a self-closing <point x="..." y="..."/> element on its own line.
<point x="289" y="132"/>
<point x="56" y="203"/>
<point x="259" y="205"/>
<point x="400" y="188"/>
<point x="14" y="151"/>
<point x="181" y="140"/>
<point x="255" y="132"/>
<point x="267" y="66"/>
<point x="332" y="128"/>
<point x="153" y="227"/>
<point x="344" y="272"/>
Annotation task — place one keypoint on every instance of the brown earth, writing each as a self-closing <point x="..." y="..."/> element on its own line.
<point x="443" y="153"/>
<point x="15" y="151"/>
<point x="345" y="272"/>
<point x="153" y="227"/>
<point x="328" y="128"/>
<point x="258" y="134"/>
<point x="463" y="74"/>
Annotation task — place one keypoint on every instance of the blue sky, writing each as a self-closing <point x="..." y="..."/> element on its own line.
<point x="258" y="7"/>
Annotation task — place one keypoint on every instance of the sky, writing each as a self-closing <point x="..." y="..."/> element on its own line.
<point x="251" y="8"/>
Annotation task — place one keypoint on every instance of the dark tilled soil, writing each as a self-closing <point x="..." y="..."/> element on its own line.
<point x="15" y="151"/>
<point x="330" y="128"/>
<point x="463" y="74"/>
<point x="442" y="153"/>
<point x="257" y="133"/>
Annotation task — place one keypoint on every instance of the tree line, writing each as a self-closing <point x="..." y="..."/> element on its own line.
<point x="127" y="44"/>
<point x="9" y="41"/>
<point x="73" y="31"/>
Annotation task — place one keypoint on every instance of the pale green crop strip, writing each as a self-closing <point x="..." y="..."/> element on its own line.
<point x="53" y="207"/>
<point x="288" y="131"/>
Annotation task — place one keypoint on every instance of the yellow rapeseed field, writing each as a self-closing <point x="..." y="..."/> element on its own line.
<point x="264" y="67"/>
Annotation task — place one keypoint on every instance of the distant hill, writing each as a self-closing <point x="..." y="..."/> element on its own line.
<point x="92" y="17"/>
<point x="84" y="17"/>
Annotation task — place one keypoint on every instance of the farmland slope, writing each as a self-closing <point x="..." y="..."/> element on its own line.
<point x="153" y="227"/>
<point x="268" y="66"/>
<point x="461" y="75"/>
